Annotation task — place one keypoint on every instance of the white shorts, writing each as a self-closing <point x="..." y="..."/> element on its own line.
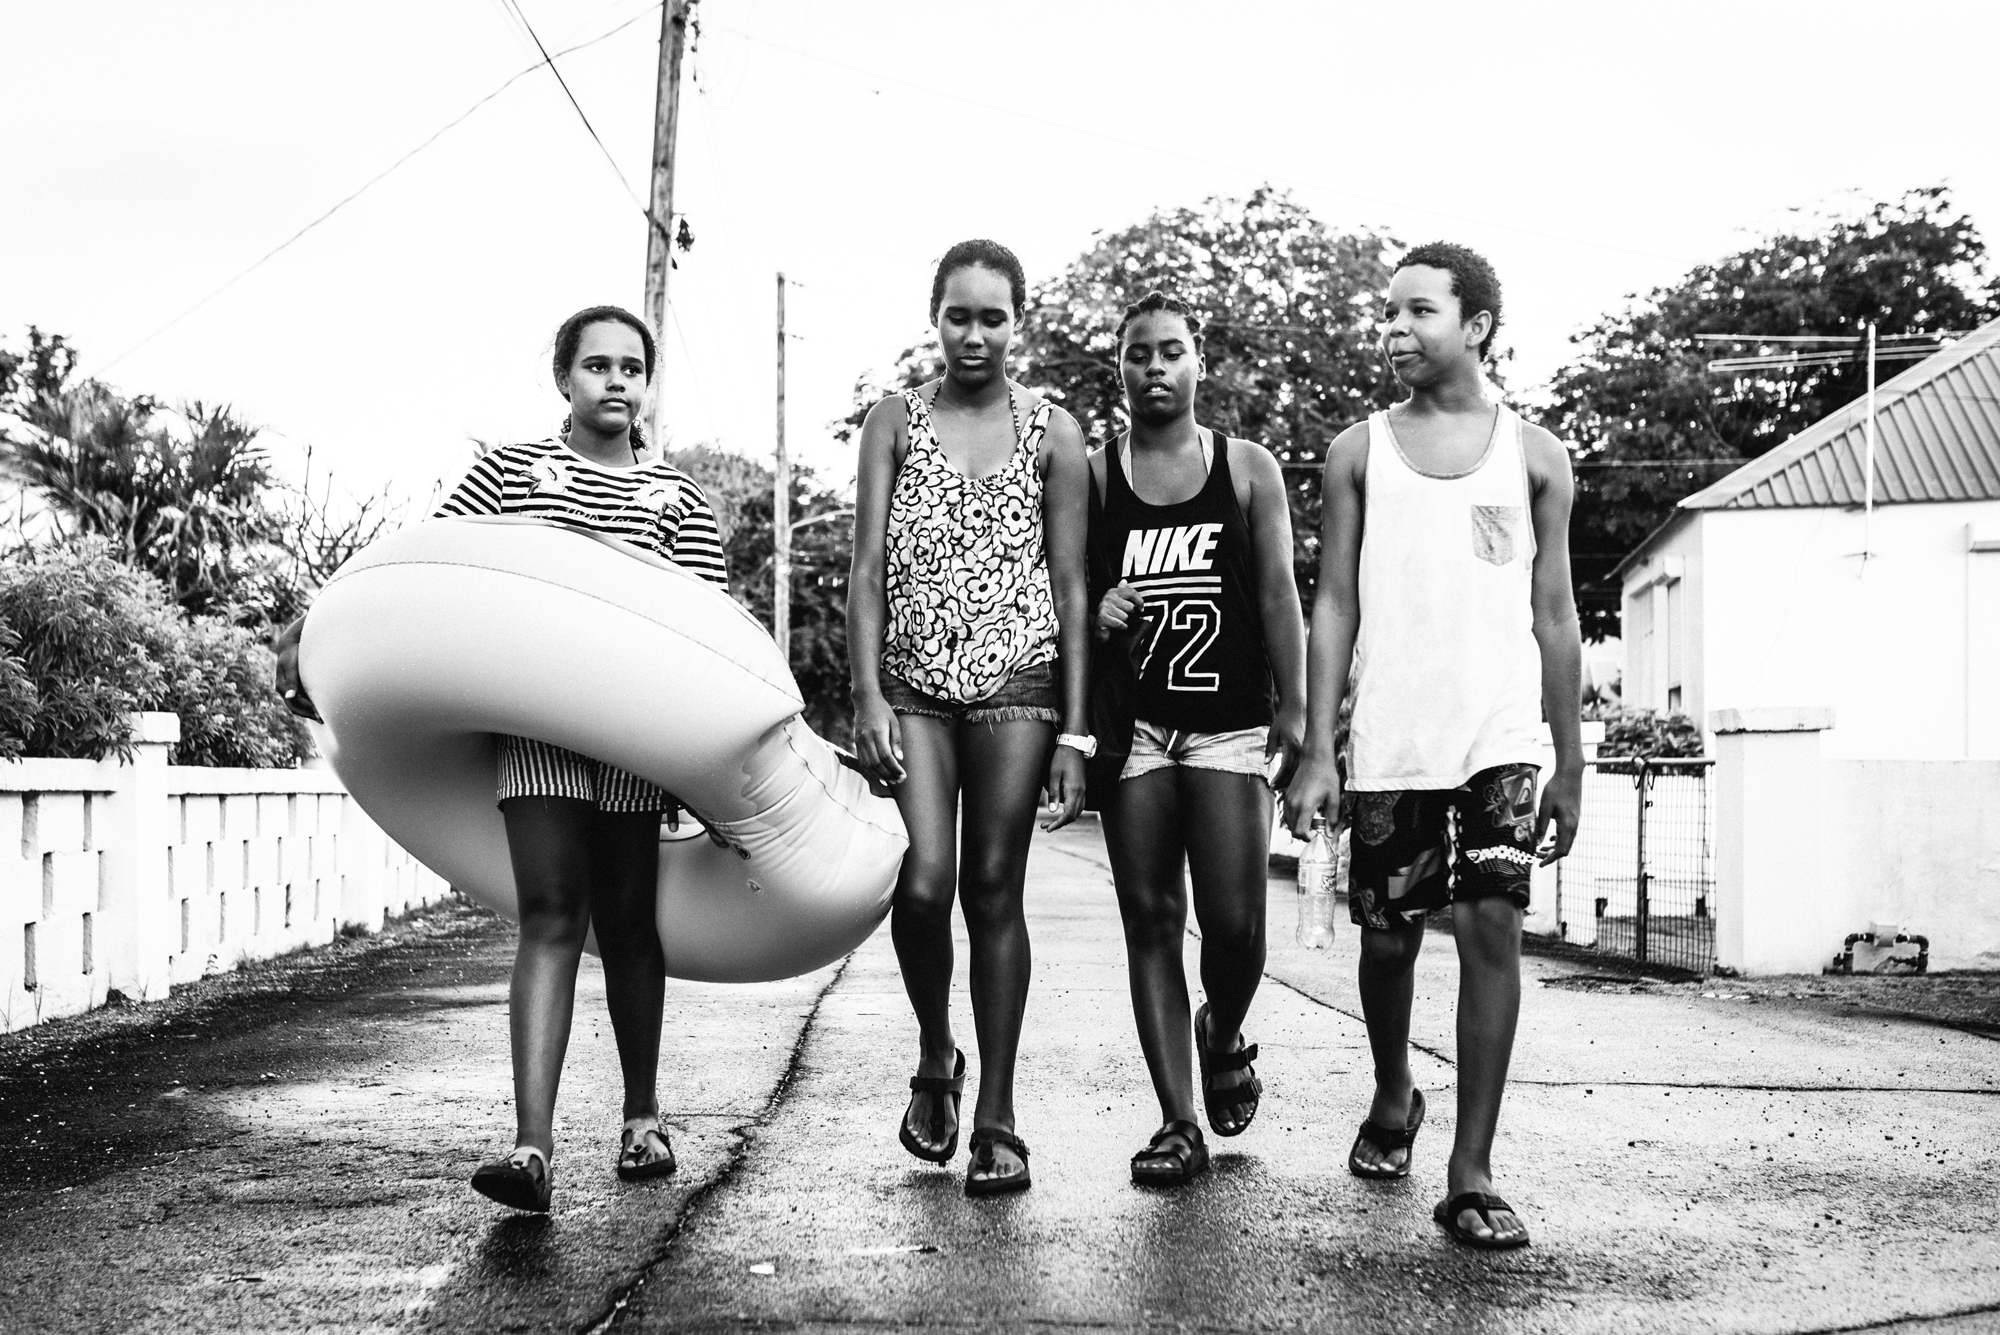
<point x="1237" y="752"/>
<point x="529" y="768"/>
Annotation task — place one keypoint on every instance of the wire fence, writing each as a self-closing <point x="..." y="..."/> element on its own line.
<point x="1640" y="880"/>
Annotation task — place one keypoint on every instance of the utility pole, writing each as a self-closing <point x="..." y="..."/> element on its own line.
<point x="781" y="510"/>
<point x="674" y="16"/>
<point x="1868" y="468"/>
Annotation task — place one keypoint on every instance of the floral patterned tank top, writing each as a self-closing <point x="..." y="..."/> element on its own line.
<point x="968" y="580"/>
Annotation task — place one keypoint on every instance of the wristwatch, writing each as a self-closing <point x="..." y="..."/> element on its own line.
<point x="1078" y="742"/>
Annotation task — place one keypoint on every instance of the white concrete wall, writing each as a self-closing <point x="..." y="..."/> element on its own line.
<point x="1810" y="849"/>
<point x="1905" y="648"/>
<point x="1916" y="844"/>
<point x="139" y="875"/>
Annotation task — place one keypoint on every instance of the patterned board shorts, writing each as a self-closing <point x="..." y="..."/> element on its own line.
<point x="1418" y="850"/>
<point x="536" y="769"/>
<point x="1028" y="694"/>
<point x="1239" y="751"/>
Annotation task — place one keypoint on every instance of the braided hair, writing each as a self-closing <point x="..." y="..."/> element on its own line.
<point x="570" y="333"/>
<point x="1156" y="301"/>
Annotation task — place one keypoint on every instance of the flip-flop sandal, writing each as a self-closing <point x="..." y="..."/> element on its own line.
<point x="1386" y="1139"/>
<point x="636" y="1161"/>
<point x="1230" y="1102"/>
<point x="1486" y="1204"/>
<point x="983" y="1140"/>
<point x="1174" y="1155"/>
<point x="509" y="1181"/>
<point x="935" y="1084"/>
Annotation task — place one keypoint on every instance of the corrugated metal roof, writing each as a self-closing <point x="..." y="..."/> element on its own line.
<point x="1937" y="438"/>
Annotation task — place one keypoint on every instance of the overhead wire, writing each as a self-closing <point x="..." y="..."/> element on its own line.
<point x="359" y="191"/>
<point x="595" y="138"/>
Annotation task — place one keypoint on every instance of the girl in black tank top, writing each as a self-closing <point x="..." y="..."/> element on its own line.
<point x="1199" y="654"/>
<point x="1198" y="620"/>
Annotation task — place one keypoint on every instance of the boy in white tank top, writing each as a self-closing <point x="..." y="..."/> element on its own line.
<point x="1448" y="613"/>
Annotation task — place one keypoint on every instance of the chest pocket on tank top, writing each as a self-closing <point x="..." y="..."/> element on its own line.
<point x="1493" y="533"/>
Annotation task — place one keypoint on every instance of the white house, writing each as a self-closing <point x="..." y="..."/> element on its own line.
<point x="1778" y="587"/>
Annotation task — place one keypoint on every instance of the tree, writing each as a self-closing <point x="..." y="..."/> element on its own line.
<point x="740" y="491"/>
<point x="85" y="639"/>
<point x="1291" y="345"/>
<point x="185" y="495"/>
<point x="1638" y="388"/>
<point x="319" y="535"/>
<point x="42" y="370"/>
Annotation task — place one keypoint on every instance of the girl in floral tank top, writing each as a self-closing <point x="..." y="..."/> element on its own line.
<point x="967" y="593"/>
<point x="969" y="598"/>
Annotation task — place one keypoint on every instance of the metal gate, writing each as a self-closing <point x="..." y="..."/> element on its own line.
<point x="1640" y="880"/>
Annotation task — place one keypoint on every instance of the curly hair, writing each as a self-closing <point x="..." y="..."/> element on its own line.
<point x="1473" y="281"/>
<point x="1155" y="301"/>
<point x="570" y="333"/>
<point x="981" y="254"/>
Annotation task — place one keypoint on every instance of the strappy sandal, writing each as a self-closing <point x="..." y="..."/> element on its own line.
<point x="636" y="1158"/>
<point x="1235" y="1100"/>
<point x="1486" y="1205"/>
<point x="1386" y="1139"/>
<point x="1174" y="1155"/>
<point x="509" y="1181"/>
<point x="934" y="1084"/>
<point x="983" y="1140"/>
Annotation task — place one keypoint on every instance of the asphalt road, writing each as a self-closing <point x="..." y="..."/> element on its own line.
<point x="287" y="1149"/>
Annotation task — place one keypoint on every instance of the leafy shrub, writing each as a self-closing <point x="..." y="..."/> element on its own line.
<point x="1645" y="732"/>
<point x="219" y="682"/>
<point x="18" y="696"/>
<point x="95" y="640"/>
<point x="86" y="626"/>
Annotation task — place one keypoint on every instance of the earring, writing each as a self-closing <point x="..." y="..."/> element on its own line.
<point x="564" y="431"/>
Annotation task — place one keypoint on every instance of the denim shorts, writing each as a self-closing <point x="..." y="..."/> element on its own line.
<point x="1419" y="850"/>
<point x="1029" y="694"/>
<point x="1239" y="751"/>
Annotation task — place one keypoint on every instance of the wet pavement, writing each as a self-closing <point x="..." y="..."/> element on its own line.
<point x="287" y="1150"/>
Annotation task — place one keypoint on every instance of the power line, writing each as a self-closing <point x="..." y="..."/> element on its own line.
<point x="359" y="191"/>
<point x="550" y="61"/>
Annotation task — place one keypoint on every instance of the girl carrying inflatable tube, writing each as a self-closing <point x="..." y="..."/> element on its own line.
<point x="583" y="835"/>
<point x="967" y="599"/>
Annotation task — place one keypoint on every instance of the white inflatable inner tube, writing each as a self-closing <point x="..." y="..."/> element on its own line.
<point x="435" y="639"/>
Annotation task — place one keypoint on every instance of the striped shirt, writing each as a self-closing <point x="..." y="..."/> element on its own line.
<point x="651" y="505"/>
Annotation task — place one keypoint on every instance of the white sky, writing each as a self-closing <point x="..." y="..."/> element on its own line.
<point x="153" y="150"/>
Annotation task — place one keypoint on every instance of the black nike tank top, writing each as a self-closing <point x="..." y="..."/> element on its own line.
<point x="1199" y="651"/>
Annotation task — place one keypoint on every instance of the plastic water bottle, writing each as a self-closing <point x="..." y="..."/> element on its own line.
<point x="1318" y="871"/>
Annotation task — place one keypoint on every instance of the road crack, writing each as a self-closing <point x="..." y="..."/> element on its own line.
<point x="741" y="1136"/>
<point x="1911" y="1322"/>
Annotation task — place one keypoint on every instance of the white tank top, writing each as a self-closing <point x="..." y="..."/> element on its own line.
<point x="1447" y="675"/>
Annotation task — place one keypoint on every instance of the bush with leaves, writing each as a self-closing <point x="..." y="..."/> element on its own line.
<point x="95" y="640"/>
<point x="219" y="682"/>
<point x="18" y="697"/>
<point x="1646" y="732"/>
